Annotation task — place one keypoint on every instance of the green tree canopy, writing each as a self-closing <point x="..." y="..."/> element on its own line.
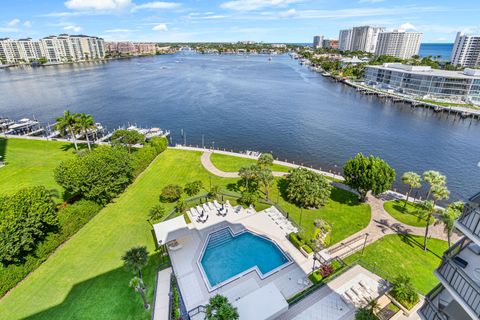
<point x="99" y="175"/>
<point x="25" y="219"/>
<point x="249" y="177"/>
<point x="171" y="193"/>
<point x="366" y="174"/>
<point x="448" y="216"/>
<point x="68" y="124"/>
<point x="265" y="160"/>
<point x="127" y="138"/>
<point x="192" y="188"/>
<point x="413" y="181"/>
<point x="307" y="189"/>
<point x="219" y="308"/>
<point x="135" y="260"/>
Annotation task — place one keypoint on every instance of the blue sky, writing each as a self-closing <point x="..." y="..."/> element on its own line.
<point x="234" y="20"/>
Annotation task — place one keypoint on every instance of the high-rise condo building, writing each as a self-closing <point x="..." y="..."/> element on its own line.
<point x="398" y="43"/>
<point x="466" y="51"/>
<point x="62" y="48"/>
<point x="345" y="39"/>
<point x="364" y="38"/>
<point x="457" y="297"/>
<point x="317" y="41"/>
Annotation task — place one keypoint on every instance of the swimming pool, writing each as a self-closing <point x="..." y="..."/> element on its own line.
<point x="227" y="256"/>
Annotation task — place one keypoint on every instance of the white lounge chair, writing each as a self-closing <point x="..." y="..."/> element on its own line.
<point x="205" y="208"/>
<point x="216" y="204"/>
<point x="199" y="210"/>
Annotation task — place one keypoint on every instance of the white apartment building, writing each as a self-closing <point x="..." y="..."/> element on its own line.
<point x="364" y="38"/>
<point x="457" y="297"/>
<point x="318" y="41"/>
<point x="345" y="39"/>
<point x="62" y="48"/>
<point x="398" y="43"/>
<point x="466" y="51"/>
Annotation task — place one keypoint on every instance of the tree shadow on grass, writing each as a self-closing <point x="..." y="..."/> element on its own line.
<point x="3" y="149"/>
<point x="344" y="197"/>
<point x="106" y="296"/>
<point x="412" y="242"/>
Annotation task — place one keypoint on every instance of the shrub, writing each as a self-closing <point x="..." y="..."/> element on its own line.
<point x="326" y="269"/>
<point x="307" y="248"/>
<point x="404" y="292"/>
<point x="248" y="198"/>
<point x="99" y="175"/>
<point x="159" y="143"/>
<point x="142" y="158"/>
<point x="71" y="219"/>
<point x="295" y="240"/>
<point x="307" y="189"/>
<point x="127" y="138"/>
<point x="171" y="193"/>
<point x="365" y="314"/>
<point x="219" y="308"/>
<point x="25" y="219"/>
<point x="315" y="277"/>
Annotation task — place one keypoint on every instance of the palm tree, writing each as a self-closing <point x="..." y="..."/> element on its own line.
<point x="135" y="259"/>
<point x="413" y="181"/>
<point x="434" y="179"/>
<point x="86" y="123"/>
<point x="451" y="213"/>
<point x="428" y="209"/>
<point x="156" y="213"/>
<point x="265" y="177"/>
<point x="137" y="284"/>
<point x="68" y="123"/>
<point x="219" y="308"/>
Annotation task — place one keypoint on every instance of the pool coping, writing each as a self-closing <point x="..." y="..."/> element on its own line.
<point x="255" y="268"/>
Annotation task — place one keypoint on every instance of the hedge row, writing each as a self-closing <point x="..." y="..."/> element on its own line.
<point x="72" y="218"/>
<point x="298" y="242"/>
<point x="144" y="156"/>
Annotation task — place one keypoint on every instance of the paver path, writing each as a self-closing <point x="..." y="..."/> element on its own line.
<point x="381" y="223"/>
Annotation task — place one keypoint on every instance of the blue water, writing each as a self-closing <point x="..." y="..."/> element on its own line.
<point x="250" y="103"/>
<point x="226" y="256"/>
<point x="440" y="51"/>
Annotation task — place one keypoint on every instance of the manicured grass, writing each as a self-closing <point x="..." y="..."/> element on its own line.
<point x="233" y="164"/>
<point x="85" y="278"/>
<point x="395" y="255"/>
<point x="31" y="162"/>
<point x="343" y="212"/>
<point x="407" y="215"/>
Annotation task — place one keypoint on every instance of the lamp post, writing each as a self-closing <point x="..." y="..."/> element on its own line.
<point x="301" y="214"/>
<point x="365" y="242"/>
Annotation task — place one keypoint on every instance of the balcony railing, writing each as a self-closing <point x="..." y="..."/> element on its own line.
<point x="430" y="312"/>
<point x="470" y="220"/>
<point x="462" y="284"/>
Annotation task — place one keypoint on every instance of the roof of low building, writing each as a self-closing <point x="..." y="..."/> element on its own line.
<point x="169" y="230"/>
<point x="426" y="70"/>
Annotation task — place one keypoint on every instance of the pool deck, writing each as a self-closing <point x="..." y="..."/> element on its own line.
<point x="191" y="281"/>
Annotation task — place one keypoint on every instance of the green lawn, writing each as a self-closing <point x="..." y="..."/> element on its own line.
<point x="395" y="255"/>
<point x="407" y="215"/>
<point x="31" y="162"/>
<point x="233" y="164"/>
<point x="85" y="278"/>
<point x="343" y="212"/>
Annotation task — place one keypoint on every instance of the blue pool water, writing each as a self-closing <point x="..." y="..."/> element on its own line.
<point x="226" y="256"/>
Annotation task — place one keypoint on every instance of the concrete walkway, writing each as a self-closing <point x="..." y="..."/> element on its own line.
<point x="162" y="295"/>
<point x="381" y="223"/>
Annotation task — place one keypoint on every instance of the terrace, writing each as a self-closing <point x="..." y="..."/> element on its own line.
<point x="460" y="275"/>
<point x="186" y="246"/>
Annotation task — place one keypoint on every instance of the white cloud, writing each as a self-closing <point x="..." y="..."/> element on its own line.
<point x="249" y="5"/>
<point x="98" y="5"/>
<point x="73" y="28"/>
<point x="13" y="23"/>
<point x="287" y="14"/>
<point x="8" y="29"/>
<point x="407" y="26"/>
<point x="156" y="5"/>
<point x="160" y="27"/>
<point x="27" y="24"/>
